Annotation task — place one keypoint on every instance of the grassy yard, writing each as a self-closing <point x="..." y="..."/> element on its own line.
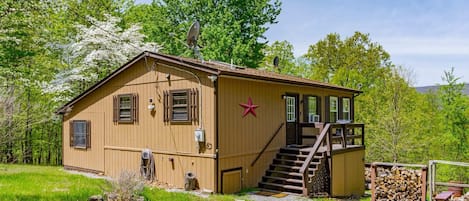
<point x="41" y="183"/>
<point x="25" y="182"/>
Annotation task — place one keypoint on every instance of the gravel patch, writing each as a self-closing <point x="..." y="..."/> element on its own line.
<point x="89" y="175"/>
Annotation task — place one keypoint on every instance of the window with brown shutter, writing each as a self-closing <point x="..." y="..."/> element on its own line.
<point x="80" y="133"/>
<point x="181" y="105"/>
<point x="125" y="108"/>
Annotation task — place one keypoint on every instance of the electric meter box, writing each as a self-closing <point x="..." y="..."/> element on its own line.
<point x="199" y="135"/>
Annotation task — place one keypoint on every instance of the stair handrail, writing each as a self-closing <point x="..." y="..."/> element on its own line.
<point x="266" y="145"/>
<point x="309" y="158"/>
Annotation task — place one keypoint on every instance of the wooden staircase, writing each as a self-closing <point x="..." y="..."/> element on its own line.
<point x="284" y="173"/>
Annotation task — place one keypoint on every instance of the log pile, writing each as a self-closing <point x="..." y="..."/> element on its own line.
<point x="398" y="183"/>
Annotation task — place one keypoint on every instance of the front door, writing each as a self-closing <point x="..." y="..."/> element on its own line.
<point x="291" y="105"/>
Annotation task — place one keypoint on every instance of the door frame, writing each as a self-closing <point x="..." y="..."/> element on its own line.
<point x="297" y="114"/>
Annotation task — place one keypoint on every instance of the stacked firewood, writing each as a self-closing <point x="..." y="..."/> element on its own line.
<point x="398" y="184"/>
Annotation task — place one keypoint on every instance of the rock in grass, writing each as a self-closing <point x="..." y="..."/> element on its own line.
<point x="96" y="198"/>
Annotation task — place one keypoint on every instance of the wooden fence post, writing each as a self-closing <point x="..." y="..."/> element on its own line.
<point x="373" y="182"/>
<point x="423" y="177"/>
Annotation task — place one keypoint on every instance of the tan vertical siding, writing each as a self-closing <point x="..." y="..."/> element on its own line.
<point x="150" y="131"/>
<point x="91" y="158"/>
<point x="242" y="138"/>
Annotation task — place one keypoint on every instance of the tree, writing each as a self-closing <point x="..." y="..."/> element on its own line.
<point x="351" y="62"/>
<point x="284" y="51"/>
<point x="231" y="31"/>
<point x="389" y="106"/>
<point x="99" y="49"/>
<point x="455" y="108"/>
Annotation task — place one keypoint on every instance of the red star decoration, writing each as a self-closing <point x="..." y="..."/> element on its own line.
<point x="249" y="107"/>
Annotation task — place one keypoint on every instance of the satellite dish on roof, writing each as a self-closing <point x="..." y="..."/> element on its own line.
<point x="192" y="37"/>
<point x="193" y="34"/>
<point x="276" y="61"/>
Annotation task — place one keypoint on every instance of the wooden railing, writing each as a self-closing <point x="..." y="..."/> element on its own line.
<point x="325" y="135"/>
<point x="267" y="145"/>
<point x="347" y="134"/>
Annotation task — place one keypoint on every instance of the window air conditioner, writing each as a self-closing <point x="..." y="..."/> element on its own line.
<point x="312" y="118"/>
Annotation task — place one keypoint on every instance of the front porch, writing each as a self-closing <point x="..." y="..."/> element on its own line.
<point x="327" y="162"/>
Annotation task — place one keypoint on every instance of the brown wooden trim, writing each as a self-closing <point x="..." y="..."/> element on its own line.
<point x="115" y="106"/>
<point x="71" y="135"/>
<point x="80" y="169"/>
<point x="340" y="107"/>
<point x="132" y="149"/>
<point x="135" y="107"/>
<point x="88" y="134"/>
<point x="327" y="109"/>
<point x="348" y="149"/>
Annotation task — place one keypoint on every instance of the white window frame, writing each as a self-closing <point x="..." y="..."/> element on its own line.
<point x="333" y="99"/>
<point x="346" y="108"/>
<point x="291" y="108"/>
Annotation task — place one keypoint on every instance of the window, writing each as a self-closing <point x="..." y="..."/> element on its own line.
<point x="125" y="108"/>
<point x="80" y="131"/>
<point x="291" y="110"/>
<point x="311" y="108"/>
<point x="346" y="108"/>
<point x="180" y="105"/>
<point x="333" y="108"/>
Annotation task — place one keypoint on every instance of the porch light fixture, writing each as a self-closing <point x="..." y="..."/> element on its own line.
<point x="168" y="76"/>
<point x="283" y="96"/>
<point x="151" y="105"/>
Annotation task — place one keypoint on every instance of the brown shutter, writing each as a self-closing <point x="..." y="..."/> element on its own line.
<point x="189" y="104"/>
<point x="352" y="109"/>
<point x="340" y="111"/>
<point x="71" y="133"/>
<point x="170" y="106"/>
<point x="135" y="107"/>
<point x="88" y="134"/>
<point x="165" y="106"/>
<point x="318" y="108"/>
<point x="305" y="108"/>
<point x="327" y="110"/>
<point x="115" y="106"/>
<point x="197" y="105"/>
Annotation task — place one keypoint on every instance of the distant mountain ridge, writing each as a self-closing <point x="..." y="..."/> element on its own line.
<point x="435" y="88"/>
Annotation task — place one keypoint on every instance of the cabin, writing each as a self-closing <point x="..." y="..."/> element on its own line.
<point x="228" y="127"/>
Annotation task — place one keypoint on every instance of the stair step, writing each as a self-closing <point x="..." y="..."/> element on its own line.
<point x="290" y="187"/>
<point x="296" y="162"/>
<point x="297" y="181"/>
<point x="297" y="174"/>
<point x="299" y="155"/>
<point x="293" y="155"/>
<point x="296" y="168"/>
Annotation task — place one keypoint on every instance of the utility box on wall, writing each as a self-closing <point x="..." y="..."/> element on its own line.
<point x="199" y="135"/>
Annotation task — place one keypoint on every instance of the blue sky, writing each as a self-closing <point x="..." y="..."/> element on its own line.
<point x="425" y="36"/>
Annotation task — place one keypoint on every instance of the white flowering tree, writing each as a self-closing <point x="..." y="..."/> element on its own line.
<point x="98" y="50"/>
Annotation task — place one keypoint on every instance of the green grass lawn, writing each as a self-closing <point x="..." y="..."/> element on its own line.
<point x="27" y="182"/>
<point x="52" y="183"/>
<point x="36" y="183"/>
